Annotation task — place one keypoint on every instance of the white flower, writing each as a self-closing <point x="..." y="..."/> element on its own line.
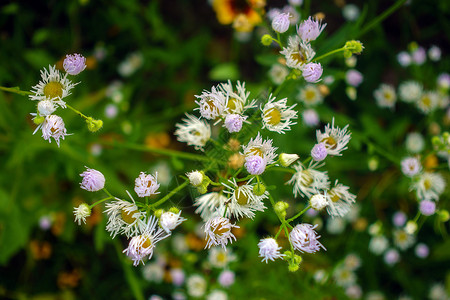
<point x="307" y="181"/>
<point x="305" y="239"/>
<point x="339" y="200"/>
<point x="402" y="239"/>
<point x="310" y="95"/>
<point x="237" y="101"/>
<point x="194" y="132"/>
<point x="277" y="116"/>
<point x="434" y="53"/>
<point x="350" y="12"/>
<point x="429" y="186"/>
<point x="131" y="63"/>
<point x="278" y="73"/>
<point x="385" y="96"/>
<point x="196" y="286"/>
<point x="297" y="53"/>
<point x="415" y="142"/>
<point x="169" y="220"/>
<point x="334" y="138"/>
<point x="264" y="149"/>
<point x="220" y="258"/>
<point x="310" y="117"/>
<point x="428" y="102"/>
<point x="352" y="261"/>
<point x="242" y="202"/>
<point x="281" y="23"/>
<point x="410" y="91"/>
<point x="287" y="159"/>
<point x="217" y="295"/>
<point x="318" y="201"/>
<point x="344" y="277"/>
<point x="391" y="257"/>
<point x="208" y="204"/>
<point x="411" y="166"/>
<point x="146" y="185"/>
<point x="195" y="178"/>
<point x="123" y="217"/>
<point x="218" y="232"/>
<point x="52" y="86"/>
<point x="404" y="59"/>
<point x="378" y="244"/>
<point x="268" y="249"/>
<point x="81" y="212"/>
<point x="46" y="107"/>
<point x="142" y="245"/>
<point x="310" y="29"/>
<point x="93" y="180"/>
<point x="153" y="272"/>
<point x="438" y="292"/>
<point x="53" y="127"/>
<point x="211" y="103"/>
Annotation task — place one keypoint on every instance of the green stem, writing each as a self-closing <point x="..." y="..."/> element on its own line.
<point x="77" y="111"/>
<point x="279" y="231"/>
<point x="107" y="192"/>
<point x="299" y="214"/>
<point x="381" y="17"/>
<point x="100" y="201"/>
<point x="281" y="169"/>
<point x="15" y="90"/>
<point x="330" y="53"/>
<point x="167" y="197"/>
<point x="168" y="152"/>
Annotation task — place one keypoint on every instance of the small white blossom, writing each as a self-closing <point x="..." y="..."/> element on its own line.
<point x="334" y="138"/>
<point x="195" y="178"/>
<point x="305" y="239"/>
<point x="194" y="132"/>
<point x="411" y="166"/>
<point x="218" y="232"/>
<point x="307" y="181"/>
<point x="297" y="53"/>
<point x="385" y="96"/>
<point x="310" y="95"/>
<point x="81" y="213"/>
<point x="269" y="249"/>
<point x="410" y="91"/>
<point x="287" y="159"/>
<point x="318" y="201"/>
<point x="146" y="185"/>
<point x="169" y="220"/>
<point x="93" y="180"/>
<point x="277" y="116"/>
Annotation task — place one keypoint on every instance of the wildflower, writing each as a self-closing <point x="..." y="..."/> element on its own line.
<point x="318" y="201"/>
<point x="385" y="96"/>
<point x="194" y="132"/>
<point x="154" y="272"/>
<point x="277" y="116"/>
<point x="123" y="217"/>
<point x="305" y="239"/>
<point x="428" y="102"/>
<point x="414" y="142"/>
<point x="312" y="72"/>
<point x="177" y="276"/>
<point x="280" y="23"/>
<point x="310" y="29"/>
<point x="268" y="249"/>
<point x="399" y="219"/>
<point x="211" y="103"/>
<point x="434" y="53"/>
<point x="335" y="225"/>
<point x="218" y="232"/>
<point x="74" y="64"/>
<point x="255" y="164"/>
<point x="391" y="257"/>
<point x="339" y="200"/>
<point x="419" y="56"/>
<point x="146" y="185"/>
<point x="297" y="53"/>
<point x="438" y="292"/>
<point x="310" y="95"/>
<point x="287" y="159"/>
<point x="195" y="178"/>
<point x="402" y="239"/>
<point x="220" y="258"/>
<point x="319" y="152"/>
<point x="52" y="86"/>
<point x="354" y="77"/>
<point x="355" y="291"/>
<point x="208" y="204"/>
<point x="243" y="17"/>
<point x="53" y="127"/>
<point x="334" y="138"/>
<point x="81" y="212"/>
<point x="443" y="81"/>
<point x="429" y="186"/>
<point x="352" y="261"/>
<point x="410" y="91"/>
<point x="131" y="63"/>
<point x="169" y="220"/>
<point x="46" y="107"/>
<point x="307" y="181"/>
<point x="233" y="122"/>
<point x="217" y="295"/>
<point x="350" y="12"/>
<point x="278" y="73"/>
<point x="242" y="202"/>
<point x="427" y="207"/>
<point x="404" y="59"/>
<point x="422" y="250"/>
<point x="236" y="100"/>
<point x="344" y="277"/>
<point x="264" y="149"/>
<point x="310" y="117"/>
<point x="378" y="244"/>
<point x="226" y="278"/>
<point x="411" y="166"/>
<point x="142" y="245"/>
<point x="93" y="180"/>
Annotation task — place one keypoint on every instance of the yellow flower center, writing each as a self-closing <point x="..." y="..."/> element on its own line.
<point x="53" y="90"/>
<point x="299" y="56"/>
<point x="232" y="104"/>
<point x="334" y="196"/>
<point x="330" y="141"/>
<point x="427" y="184"/>
<point x="273" y="116"/>
<point x="222" y="257"/>
<point x="221" y="229"/>
<point x="147" y="243"/>
<point x="307" y="178"/>
<point x="127" y="217"/>
<point x="426" y="101"/>
<point x="310" y="95"/>
<point x="241" y="198"/>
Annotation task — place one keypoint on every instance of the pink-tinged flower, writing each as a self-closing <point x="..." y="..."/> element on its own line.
<point x="404" y="59"/>
<point x="255" y="164"/>
<point x="305" y="239"/>
<point x="310" y="29"/>
<point x="177" y="276"/>
<point x="218" y="232"/>
<point x="146" y="185"/>
<point x="269" y="249"/>
<point x="310" y="117"/>
<point x="312" y="72"/>
<point x="411" y="166"/>
<point x="281" y="23"/>
<point x="354" y="77"/>
<point x="391" y="257"/>
<point x="233" y="122"/>
<point x="399" y="219"/>
<point x="226" y="278"/>
<point x="74" y="64"/>
<point x="93" y="180"/>
<point x="53" y="127"/>
<point x="422" y="250"/>
<point x="419" y="56"/>
<point x="319" y="152"/>
<point x="427" y="207"/>
<point x="169" y="220"/>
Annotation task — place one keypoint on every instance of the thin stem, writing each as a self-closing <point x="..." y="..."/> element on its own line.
<point x="167" y="197"/>
<point x="100" y="201"/>
<point x="281" y="169"/>
<point x="279" y="231"/>
<point x="299" y="214"/>
<point x="77" y="112"/>
<point x="330" y="53"/>
<point x="15" y="90"/>
<point x="107" y="192"/>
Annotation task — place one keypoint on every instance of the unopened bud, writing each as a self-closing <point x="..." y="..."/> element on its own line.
<point x="280" y="208"/>
<point x="444" y="216"/>
<point x="354" y="46"/>
<point x="287" y="159"/>
<point x="38" y="120"/>
<point x="174" y="210"/>
<point x="94" y="125"/>
<point x="259" y="189"/>
<point x="411" y="227"/>
<point x="266" y="40"/>
<point x="158" y="213"/>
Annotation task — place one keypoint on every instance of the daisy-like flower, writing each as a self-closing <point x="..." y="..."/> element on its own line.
<point x="46" y="107"/>
<point x="242" y="202"/>
<point x="278" y="73"/>
<point x="93" y="180"/>
<point x="81" y="213"/>
<point x="410" y="91"/>
<point x="310" y="95"/>
<point x="146" y="185"/>
<point x="233" y="122"/>
<point x="339" y="200"/>
<point x="310" y="117"/>
<point x="297" y="53"/>
<point x="218" y="232"/>
<point x="312" y="72"/>
<point x="310" y="29"/>
<point x="411" y="166"/>
<point x="428" y="102"/>
<point x="123" y="217"/>
<point x="414" y="142"/>
<point x="378" y="244"/>
<point x="269" y="249"/>
<point x="385" y="96"/>
<point x="220" y="258"/>
<point x="194" y="132"/>
<point x="142" y="245"/>
<point x="277" y="116"/>
<point x="443" y="81"/>
<point x="352" y="261"/>
<point x="354" y="77"/>
<point x="344" y="277"/>
<point x="427" y="207"/>
<point x="53" y="127"/>
<point x="434" y="53"/>
<point x="402" y="239"/>
<point x="74" y="64"/>
<point x="169" y="220"/>
<point x="52" y="86"/>
<point x="208" y="204"/>
<point x="429" y="186"/>
<point x="226" y="278"/>
<point x="211" y="103"/>
<point x="404" y="59"/>
<point x="305" y="239"/>
<point x="237" y="100"/>
<point x="196" y="286"/>
<point x="195" y="178"/>
<point x="264" y="149"/>
<point x="307" y="181"/>
<point x="318" y="201"/>
<point x="334" y="138"/>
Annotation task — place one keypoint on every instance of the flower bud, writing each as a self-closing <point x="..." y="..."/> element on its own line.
<point x="287" y="159"/>
<point x="281" y="23"/>
<point x="94" y="125"/>
<point x="158" y="213"/>
<point x="196" y="178"/>
<point x="318" y="202"/>
<point x="259" y="189"/>
<point x="38" y="120"/>
<point x="174" y="210"/>
<point x="280" y="208"/>
<point x="266" y="40"/>
<point x="411" y="227"/>
<point x="444" y="216"/>
<point x="354" y="46"/>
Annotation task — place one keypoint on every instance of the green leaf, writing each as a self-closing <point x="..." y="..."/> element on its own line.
<point x="225" y="71"/>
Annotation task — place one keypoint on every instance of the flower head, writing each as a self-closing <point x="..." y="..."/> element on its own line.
<point x="236" y="99"/>
<point x="53" y="127"/>
<point x="319" y="152"/>
<point x="334" y="138"/>
<point x="146" y="185"/>
<point x="46" y="107"/>
<point x="277" y="116"/>
<point x="242" y="201"/>
<point x="428" y="102"/>
<point x="318" y="201"/>
<point x="196" y="286"/>
<point x="219" y="257"/>
<point x="169" y="220"/>
<point x="195" y="178"/>
<point x="269" y="249"/>
<point x="312" y="72"/>
<point x="226" y="278"/>
<point x="288" y="159"/>
<point x="208" y="204"/>
<point x="81" y="212"/>
<point x="218" y="232"/>
<point x="211" y="103"/>
<point x="304" y="238"/>
<point x="233" y="122"/>
<point x="74" y="63"/>
<point x="411" y="166"/>
<point x="310" y="117"/>
<point x="339" y="200"/>
<point x="427" y="207"/>
<point x="297" y="53"/>
<point x="264" y="149"/>
<point x="354" y="77"/>
<point x="385" y="96"/>
<point x="410" y="91"/>
<point x="310" y="29"/>
<point x="310" y="95"/>
<point x="255" y="164"/>
<point x="194" y="132"/>
<point x="307" y="180"/>
<point x="93" y="180"/>
<point x="429" y="186"/>
<point x="281" y="23"/>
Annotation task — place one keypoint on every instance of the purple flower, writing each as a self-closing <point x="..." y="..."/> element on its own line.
<point x="319" y="152"/>
<point x="310" y="118"/>
<point x="312" y="72"/>
<point x="427" y="207"/>
<point x="93" y="180"/>
<point x="255" y="164"/>
<point x="404" y="59"/>
<point x="419" y="56"/>
<point x="281" y="23"/>
<point x="233" y="122"/>
<point x="226" y="278"/>
<point x="391" y="257"/>
<point x="399" y="219"/>
<point x="422" y="250"/>
<point x="443" y="81"/>
<point x="177" y="276"/>
<point x="304" y="238"/>
<point x="74" y="64"/>
<point x="310" y="29"/>
<point x="353" y="77"/>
